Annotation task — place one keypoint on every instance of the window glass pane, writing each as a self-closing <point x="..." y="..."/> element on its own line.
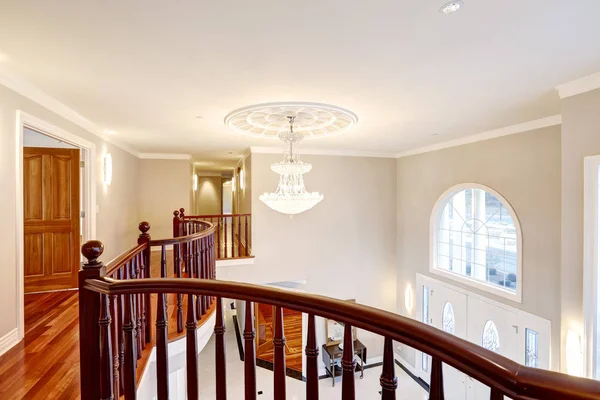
<point x="448" y="324"/>
<point x="531" y="348"/>
<point x="489" y="338"/>
<point x="477" y="238"/>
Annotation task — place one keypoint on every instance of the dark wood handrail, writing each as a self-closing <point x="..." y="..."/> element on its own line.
<point x="214" y="216"/>
<point x="124" y="258"/>
<point x="510" y="378"/>
<point x="210" y="229"/>
<point x="232" y="232"/>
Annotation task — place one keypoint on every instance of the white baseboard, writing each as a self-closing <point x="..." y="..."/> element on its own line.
<point x="235" y="261"/>
<point x="9" y="340"/>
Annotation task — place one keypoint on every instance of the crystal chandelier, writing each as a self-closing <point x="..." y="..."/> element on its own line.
<point x="291" y="196"/>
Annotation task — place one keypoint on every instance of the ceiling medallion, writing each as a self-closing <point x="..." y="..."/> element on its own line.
<point x="291" y="196"/>
<point x="312" y="120"/>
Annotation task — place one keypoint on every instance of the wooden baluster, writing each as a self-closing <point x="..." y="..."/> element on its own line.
<point x="239" y="236"/>
<point x="177" y="249"/>
<point x="186" y="249"/>
<point x="199" y="271"/>
<point x="225" y="237"/>
<point x="436" y="384"/>
<point x="348" y="364"/>
<point x="121" y="322"/>
<point x="135" y="265"/>
<point x="247" y="238"/>
<point x="129" y="373"/>
<point x="115" y="330"/>
<point x="220" y="366"/>
<point x="106" y="350"/>
<point x="312" y="356"/>
<point x="144" y="238"/>
<point x="128" y="269"/>
<point x="191" y="351"/>
<point x="142" y="303"/>
<point x="496" y="394"/>
<point x="388" y="380"/>
<point x="205" y="257"/>
<point x="162" y="342"/>
<point x="279" y="355"/>
<point x="249" y="353"/>
<point x="219" y="237"/>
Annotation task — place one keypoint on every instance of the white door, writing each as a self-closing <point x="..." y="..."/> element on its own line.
<point x="448" y="311"/>
<point x="494" y="328"/>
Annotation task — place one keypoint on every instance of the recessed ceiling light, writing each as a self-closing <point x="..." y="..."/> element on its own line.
<point x="451" y="7"/>
<point x="199" y="117"/>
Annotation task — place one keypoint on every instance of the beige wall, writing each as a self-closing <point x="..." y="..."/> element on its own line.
<point x="242" y="199"/>
<point x="525" y="169"/>
<point x="208" y="195"/>
<point x="580" y="138"/>
<point x="344" y="247"/>
<point x="118" y="212"/>
<point x="164" y="186"/>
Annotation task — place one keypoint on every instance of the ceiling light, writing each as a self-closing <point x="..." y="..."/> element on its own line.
<point x="451" y="7"/>
<point x="291" y="196"/>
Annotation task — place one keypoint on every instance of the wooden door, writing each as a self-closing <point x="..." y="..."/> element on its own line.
<point x="51" y="216"/>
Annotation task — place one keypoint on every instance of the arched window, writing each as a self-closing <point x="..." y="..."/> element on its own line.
<point x="490" y="338"/>
<point x="448" y="323"/>
<point x="476" y="239"/>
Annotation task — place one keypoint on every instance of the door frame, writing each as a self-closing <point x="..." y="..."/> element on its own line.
<point x="591" y="264"/>
<point x="88" y="154"/>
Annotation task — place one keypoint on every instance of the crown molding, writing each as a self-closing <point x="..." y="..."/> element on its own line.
<point x="165" y="156"/>
<point x="33" y="93"/>
<point x="495" y="133"/>
<point x="578" y="86"/>
<point x="323" y="152"/>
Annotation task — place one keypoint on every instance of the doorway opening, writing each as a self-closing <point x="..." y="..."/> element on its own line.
<point x="55" y="210"/>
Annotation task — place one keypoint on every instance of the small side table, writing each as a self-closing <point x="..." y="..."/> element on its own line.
<point x="332" y="353"/>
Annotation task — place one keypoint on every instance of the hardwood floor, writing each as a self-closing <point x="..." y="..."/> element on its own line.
<point x="292" y="326"/>
<point x="45" y="364"/>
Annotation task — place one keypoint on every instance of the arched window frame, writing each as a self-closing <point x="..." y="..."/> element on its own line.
<point x="467" y="280"/>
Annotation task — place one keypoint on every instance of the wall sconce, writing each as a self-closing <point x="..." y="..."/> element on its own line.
<point x="242" y="179"/>
<point x="408" y="298"/>
<point x="107" y="169"/>
<point x="233" y="184"/>
<point x="195" y="182"/>
<point x="574" y="354"/>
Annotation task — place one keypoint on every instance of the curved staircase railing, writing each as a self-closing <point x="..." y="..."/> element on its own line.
<point x="98" y="289"/>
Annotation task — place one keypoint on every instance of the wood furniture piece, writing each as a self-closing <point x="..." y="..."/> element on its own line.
<point x="106" y="330"/>
<point x="333" y="353"/>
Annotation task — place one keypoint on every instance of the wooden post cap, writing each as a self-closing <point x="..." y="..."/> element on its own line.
<point x="144" y="227"/>
<point x="182" y="211"/>
<point x="92" y="249"/>
<point x="176" y="213"/>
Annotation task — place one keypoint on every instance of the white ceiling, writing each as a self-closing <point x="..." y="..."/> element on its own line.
<point x="414" y="77"/>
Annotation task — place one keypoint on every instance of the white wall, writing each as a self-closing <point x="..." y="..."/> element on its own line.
<point x="345" y="247"/>
<point x="227" y="198"/>
<point x="208" y="195"/>
<point x="164" y="186"/>
<point x="580" y="138"/>
<point x="525" y="169"/>
<point x="118" y="203"/>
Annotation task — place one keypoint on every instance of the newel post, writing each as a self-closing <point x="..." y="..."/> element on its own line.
<point x="144" y="238"/>
<point x="176" y="224"/>
<point x="89" y="315"/>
